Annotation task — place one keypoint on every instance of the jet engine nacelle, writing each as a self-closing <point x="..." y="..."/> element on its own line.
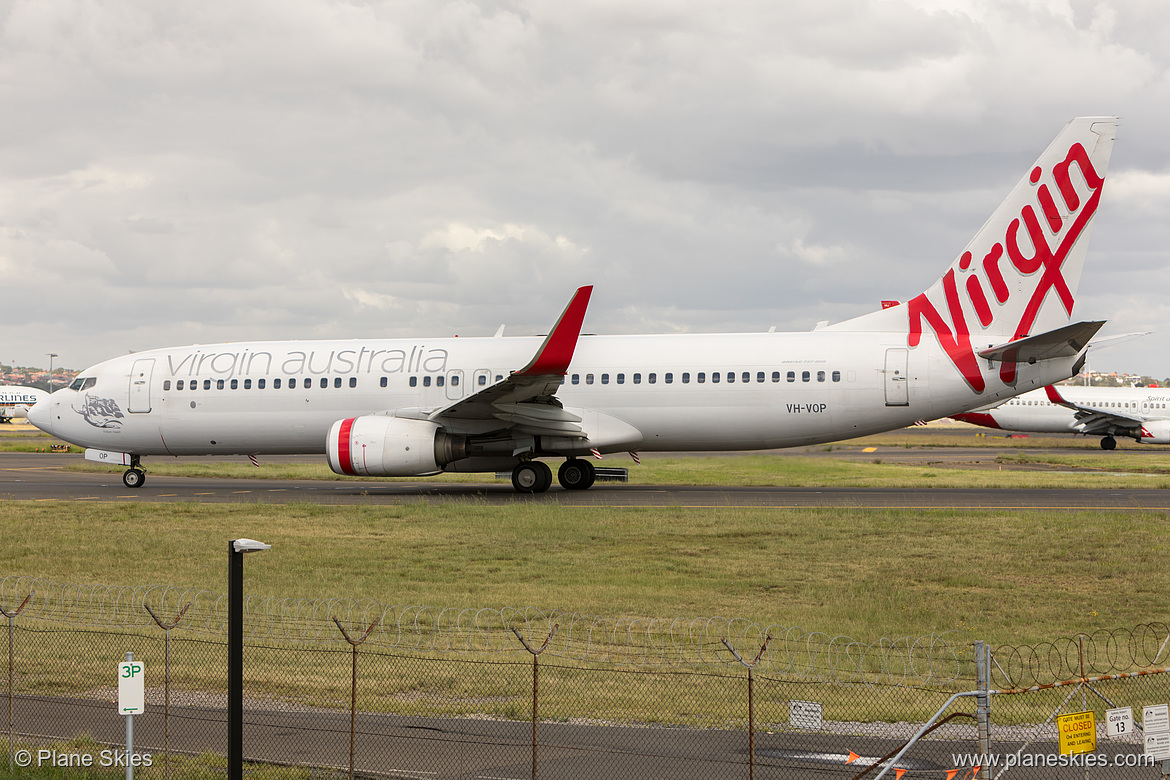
<point x="383" y="446"/>
<point x="1156" y="432"/>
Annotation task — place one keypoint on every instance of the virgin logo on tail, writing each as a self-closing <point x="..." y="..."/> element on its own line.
<point x="1044" y="264"/>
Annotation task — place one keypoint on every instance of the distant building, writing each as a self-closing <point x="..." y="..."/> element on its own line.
<point x="1114" y="379"/>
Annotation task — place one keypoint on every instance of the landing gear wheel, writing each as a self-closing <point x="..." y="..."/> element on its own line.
<point x="531" y="476"/>
<point x="133" y="478"/>
<point x="1109" y="443"/>
<point x="576" y="474"/>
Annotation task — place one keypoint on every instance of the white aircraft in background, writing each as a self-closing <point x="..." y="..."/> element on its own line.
<point x="16" y="401"/>
<point x="996" y="324"/>
<point x="1141" y="413"/>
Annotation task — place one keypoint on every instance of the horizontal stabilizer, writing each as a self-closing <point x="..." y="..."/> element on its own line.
<point x="1060" y="343"/>
<point x="1121" y="338"/>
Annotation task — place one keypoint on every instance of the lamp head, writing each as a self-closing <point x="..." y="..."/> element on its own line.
<point x="249" y="545"/>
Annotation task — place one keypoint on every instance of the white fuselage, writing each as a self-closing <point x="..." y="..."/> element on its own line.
<point x="16" y="401"/>
<point x="773" y="389"/>
<point x="1035" y="412"/>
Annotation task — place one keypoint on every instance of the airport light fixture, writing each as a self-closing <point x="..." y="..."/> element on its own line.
<point x="237" y="548"/>
<point x="51" y="356"/>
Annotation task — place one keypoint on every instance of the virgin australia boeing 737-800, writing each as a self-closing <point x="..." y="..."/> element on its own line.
<point x="996" y="324"/>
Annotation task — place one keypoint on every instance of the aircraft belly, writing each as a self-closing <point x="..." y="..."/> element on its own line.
<point x="746" y="427"/>
<point x="241" y="431"/>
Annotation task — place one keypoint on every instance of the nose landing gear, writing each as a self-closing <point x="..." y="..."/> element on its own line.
<point x="134" y="477"/>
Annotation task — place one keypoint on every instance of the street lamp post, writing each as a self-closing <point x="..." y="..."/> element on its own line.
<point x="51" y="356"/>
<point x="236" y="550"/>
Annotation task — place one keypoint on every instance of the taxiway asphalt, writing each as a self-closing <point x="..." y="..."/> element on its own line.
<point x="42" y="477"/>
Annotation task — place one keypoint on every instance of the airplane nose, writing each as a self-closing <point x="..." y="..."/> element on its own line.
<point x="41" y="415"/>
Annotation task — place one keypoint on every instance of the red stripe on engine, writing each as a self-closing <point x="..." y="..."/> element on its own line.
<point x="344" y="453"/>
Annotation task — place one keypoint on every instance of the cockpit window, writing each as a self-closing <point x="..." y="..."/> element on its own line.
<point x="83" y="383"/>
<point x="77" y="383"/>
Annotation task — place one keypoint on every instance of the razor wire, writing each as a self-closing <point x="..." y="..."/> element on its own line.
<point x="936" y="659"/>
<point x="1101" y="652"/>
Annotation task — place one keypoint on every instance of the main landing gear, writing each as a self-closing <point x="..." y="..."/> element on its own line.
<point x="534" y="476"/>
<point x="1109" y="443"/>
<point x="134" y="477"/>
<point x="531" y="476"/>
<point x="576" y="474"/>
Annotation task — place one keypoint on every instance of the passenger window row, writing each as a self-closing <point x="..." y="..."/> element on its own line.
<point x="292" y="383"/>
<point x="260" y="384"/>
<point x="481" y="380"/>
<point x="701" y="377"/>
<point x="1103" y="405"/>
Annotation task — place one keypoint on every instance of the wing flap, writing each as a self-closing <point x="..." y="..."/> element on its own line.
<point x="539" y="426"/>
<point x="537" y="412"/>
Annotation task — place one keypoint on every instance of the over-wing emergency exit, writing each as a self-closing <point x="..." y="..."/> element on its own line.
<point x="997" y="323"/>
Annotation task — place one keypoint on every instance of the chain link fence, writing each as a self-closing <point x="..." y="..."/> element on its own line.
<point x="335" y="687"/>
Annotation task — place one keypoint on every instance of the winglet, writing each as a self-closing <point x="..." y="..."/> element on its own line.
<point x="1055" y="397"/>
<point x="556" y="352"/>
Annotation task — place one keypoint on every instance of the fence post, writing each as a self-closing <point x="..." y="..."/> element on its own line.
<point x="11" y="666"/>
<point x="751" y="705"/>
<point x="535" y="681"/>
<point x="983" y="697"/>
<point x="166" y="627"/>
<point x="353" y="684"/>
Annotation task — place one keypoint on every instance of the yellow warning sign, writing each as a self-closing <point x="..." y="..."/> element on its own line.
<point x="1078" y="732"/>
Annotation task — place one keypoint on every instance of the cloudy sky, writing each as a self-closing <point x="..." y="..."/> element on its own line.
<point x="176" y="173"/>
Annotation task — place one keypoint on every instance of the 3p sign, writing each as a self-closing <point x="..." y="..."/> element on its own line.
<point x="131" y="688"/>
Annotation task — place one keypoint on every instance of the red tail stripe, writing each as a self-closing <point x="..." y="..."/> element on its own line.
<point x="344" y="453"/>
<point x="979" y="300"/>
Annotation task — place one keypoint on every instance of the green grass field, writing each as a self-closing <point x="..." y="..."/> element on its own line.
<point x="1091" y="469"/>
<point x="1008" y="577"/>
<point x="1005" y="576"/>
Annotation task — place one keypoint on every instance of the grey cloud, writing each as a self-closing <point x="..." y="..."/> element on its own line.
<point x="307" y="168"/>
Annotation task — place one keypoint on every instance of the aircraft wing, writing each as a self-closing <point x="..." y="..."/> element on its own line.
<point x="1094" y="420"/>
<point x="526" y="400"/>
